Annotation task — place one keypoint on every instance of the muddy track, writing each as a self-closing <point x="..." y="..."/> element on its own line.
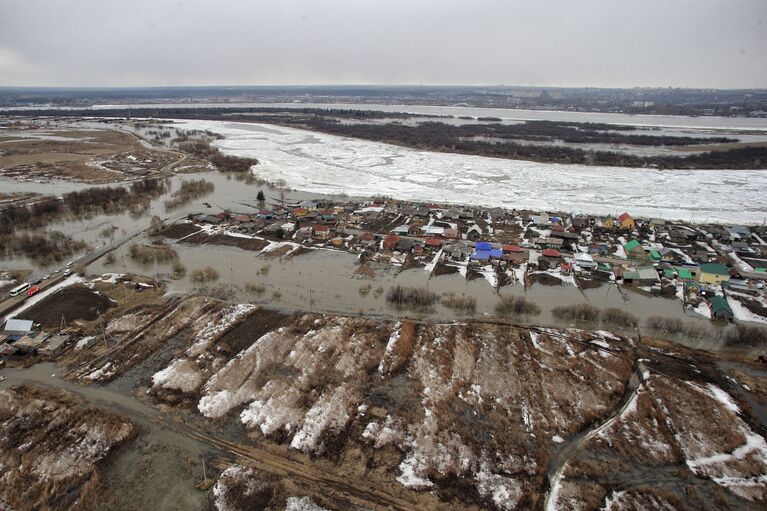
<point x="560" y="459"/>
<point x="358" y="491"/>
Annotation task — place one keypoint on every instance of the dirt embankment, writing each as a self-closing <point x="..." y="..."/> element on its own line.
<point x="52" y="448"/>
<point x="71" y="303"/>
<point x="361" y="412"/>
<point x="203" y="238"/>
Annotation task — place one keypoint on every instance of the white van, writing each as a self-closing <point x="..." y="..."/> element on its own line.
<point x="19" y="289"/>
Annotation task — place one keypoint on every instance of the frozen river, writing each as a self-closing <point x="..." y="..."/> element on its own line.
<point x="320" y="163"/>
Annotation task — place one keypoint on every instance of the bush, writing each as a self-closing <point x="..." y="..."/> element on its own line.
<point x="667" y="325"/>
<point x="674" y="326"/>
<point x="576" y="312"/>
<point x="619" y="317"/>
<point x="206" y="274"/>
<point x="179" y="270"/>
<point x="465" y="304"/>
<point x="410" y="297"/>
<point x="255" y="288"/>
<point x="744" y="334"/>
<point x="152" y="253"/>
<point x="511" y="305"/>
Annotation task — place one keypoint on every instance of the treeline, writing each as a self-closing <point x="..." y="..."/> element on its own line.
<point x="442" y="137"/>
<point x="78" y="204"/>
<point x="44" y="248"/>
<point x="223" y="162"/>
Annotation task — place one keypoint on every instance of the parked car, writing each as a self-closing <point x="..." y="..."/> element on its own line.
<point x="33" y="291"/>
<point x="57" y="270"/>
<point x="68" y="271"/>
<point x="46" y="276"/>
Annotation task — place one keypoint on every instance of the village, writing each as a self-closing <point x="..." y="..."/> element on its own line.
<point x="717" y="271"/>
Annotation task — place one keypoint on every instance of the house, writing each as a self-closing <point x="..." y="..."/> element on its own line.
<point x="720" y="309"/>
<point x="474" y="233"/>
<point x="407" y="244"/>
<point x="366" y="236"/>
<point x="585" y="261"/>
<point x="300" y="212"/>
<point x="55" y="344"/>
<point x="415" y="230"/>
<point x="713" y="273"/>
<point x="390" y="242"/>
<point x="401" y="230"/>
<point x="626" y="222"/>
<point x="242" y="218"/>
<point x="643" y="276"/>
<point x="433" y="243"/>
<point x="532" y="258"/>
<point x="483" y="245"/>
<point x="480" y="255"/>
<point x="512" y="249"/>
<point x="209" y="219"/>
<point x="551" y="253"/>
<point x="738" y="232"/>
<point x="433" y="230"/>
<point x="583" y="222"/>
<point x="634" y="250"/>
<point x="321" y="232"/>
<point x="608" y="222"/>
<point x="496" y="253"/>
<point x="450" y="234"/>
<point x="540" y="219"/>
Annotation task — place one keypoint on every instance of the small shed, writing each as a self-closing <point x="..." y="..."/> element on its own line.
<point x="18" y="326"/>
<point x="720" y="309"/>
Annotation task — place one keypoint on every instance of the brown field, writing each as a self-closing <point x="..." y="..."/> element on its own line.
<point x="94" y="156"/>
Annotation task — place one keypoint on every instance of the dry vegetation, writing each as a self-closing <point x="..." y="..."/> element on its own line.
<point x="403" y="297"/>
<point x="577" y="312"/>
<point x="511" y="305"/>
<point x="155" y="253"/>
<point x="189" y="191"/>
<point x="464" y="304"/>
<point x="206" y="274"/>
<point x="53" y="446"/>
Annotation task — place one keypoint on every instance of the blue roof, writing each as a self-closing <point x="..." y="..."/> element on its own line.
<point x="480" y="255"/>
<point x="483" y="245"/>
<point x="496" y="253"/>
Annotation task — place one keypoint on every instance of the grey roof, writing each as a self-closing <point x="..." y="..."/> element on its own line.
<point x="19" y="325"/>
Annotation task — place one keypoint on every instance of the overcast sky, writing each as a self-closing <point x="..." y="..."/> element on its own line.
<point x="687" y="43"/>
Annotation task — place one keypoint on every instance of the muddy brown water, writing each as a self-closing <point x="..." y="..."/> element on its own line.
<point x="158" y="470"/>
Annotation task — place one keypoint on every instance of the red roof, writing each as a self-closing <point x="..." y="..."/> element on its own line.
<point x="366" y="236"/>
<point x="243" y="218"/>
<point x="433" y="242"/>
<point x="390" y="241"/>
<point x="558" y="228"/>
<point x="550" y="252"/>
<point x="321" y="228"/>
<point x="623" y="217"/>
<point x="512" y="248"/>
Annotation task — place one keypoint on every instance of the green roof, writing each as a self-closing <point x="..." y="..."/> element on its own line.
<point x="762" y="270"/>
<point x="631" y="245"/>
<point x="654" y="254"/>
<point x="669" y="273"/>
<point x="719" y="303"/>
<point x="684" y="273"/>
<point x="714" y="268"/>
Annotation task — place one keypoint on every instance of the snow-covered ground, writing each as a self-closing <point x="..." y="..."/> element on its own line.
<point x="323" y="163"/>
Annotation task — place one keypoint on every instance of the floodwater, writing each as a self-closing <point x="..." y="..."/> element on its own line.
<point x="153" y="471"/>
<point x="324" y="281"/>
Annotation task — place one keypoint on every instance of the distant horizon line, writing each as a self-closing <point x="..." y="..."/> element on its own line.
<point x="368" y="86"/>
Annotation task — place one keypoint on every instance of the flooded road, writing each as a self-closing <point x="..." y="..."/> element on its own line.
<point x="157" y="470"/>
